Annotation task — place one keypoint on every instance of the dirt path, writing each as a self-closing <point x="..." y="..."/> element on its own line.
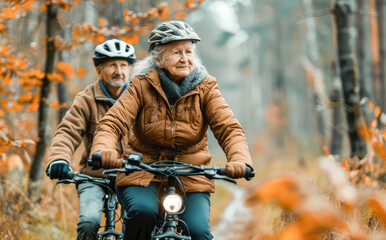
<point x="235" y="215"/>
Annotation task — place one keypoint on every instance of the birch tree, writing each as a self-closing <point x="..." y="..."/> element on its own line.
<point x="343" y="13"/>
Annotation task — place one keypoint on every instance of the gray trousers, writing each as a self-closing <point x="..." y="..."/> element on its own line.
<point x="91" y="203"/>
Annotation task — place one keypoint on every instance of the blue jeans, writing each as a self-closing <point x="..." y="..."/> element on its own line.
<point x="91" y="203"/>
<point x="141" y="206"/>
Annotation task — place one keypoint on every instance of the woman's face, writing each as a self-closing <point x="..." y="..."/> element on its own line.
<point x="177" y="59"/>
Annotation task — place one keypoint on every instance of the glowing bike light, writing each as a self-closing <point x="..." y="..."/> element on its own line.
<point x="172" y="203"/>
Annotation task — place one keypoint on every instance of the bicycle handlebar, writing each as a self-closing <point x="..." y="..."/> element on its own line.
<point x="133" y="163"/>
<point x="75" y="177"/>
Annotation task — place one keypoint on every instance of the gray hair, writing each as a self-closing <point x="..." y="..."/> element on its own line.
<point x="142" y="67"/>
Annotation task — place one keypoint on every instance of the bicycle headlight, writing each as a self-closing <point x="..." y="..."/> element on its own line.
<point x="172" y="203"/>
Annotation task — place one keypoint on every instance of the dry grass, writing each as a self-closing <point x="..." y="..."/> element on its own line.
<point x="56" y="215"/>
<point x="219" y="200"/>
<point x="320" y="205"/>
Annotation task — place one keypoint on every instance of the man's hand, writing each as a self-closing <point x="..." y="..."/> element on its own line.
<point x="235" y="170"/>
<point x="58" y="170"/>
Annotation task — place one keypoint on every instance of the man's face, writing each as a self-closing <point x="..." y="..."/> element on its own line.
<point x="114" y="73"/>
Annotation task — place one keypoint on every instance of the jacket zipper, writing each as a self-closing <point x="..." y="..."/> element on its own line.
<point x="173" y="112"/>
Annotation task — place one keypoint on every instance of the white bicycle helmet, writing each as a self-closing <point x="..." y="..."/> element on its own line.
<point x="114" y="49"/>
<point x="171" y="31"/>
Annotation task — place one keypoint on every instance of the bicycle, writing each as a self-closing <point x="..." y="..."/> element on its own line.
<point x="110" y="204"/>
<point x="172" y="201"/>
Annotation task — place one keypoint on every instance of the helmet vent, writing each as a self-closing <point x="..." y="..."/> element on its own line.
<point x="163" y="28"/>
<point x="117" y="46"/>
<point x="177" y="25"/>
<point x="106" y="48"/>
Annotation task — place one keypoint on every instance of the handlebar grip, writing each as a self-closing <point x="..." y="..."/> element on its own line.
<point x="95" y="161"/>
<point x="249" y="173"/>
<point x="221" y="171"/>
<point x="70" y="174"/>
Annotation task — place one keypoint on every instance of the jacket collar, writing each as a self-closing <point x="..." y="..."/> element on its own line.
<point x="175" y="91"/>
<point x="154" y="79"/>
<point x="101" y="93"/>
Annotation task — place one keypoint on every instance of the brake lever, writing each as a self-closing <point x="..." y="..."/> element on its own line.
<point x="110" y="171"/>
<point x="212" y="174"/>
<point x="66" y="181"/>
<point x="225" y="178"/>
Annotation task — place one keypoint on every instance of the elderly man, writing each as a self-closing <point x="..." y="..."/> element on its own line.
<point x="113" y="60"/>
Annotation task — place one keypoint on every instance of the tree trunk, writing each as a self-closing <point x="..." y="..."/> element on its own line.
<point x="364" y="59"/>
<point x="279" y="85"/>
<point x="336" y="100"/>
<point x="320" y="97"/>
<point x="62" y="93"/>
<point x="381" y="85"/>
<point x="36" y="171"/>
<point x="348" y="73"/>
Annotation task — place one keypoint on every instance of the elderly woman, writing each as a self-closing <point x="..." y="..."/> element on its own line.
<point x="170" y="104"/>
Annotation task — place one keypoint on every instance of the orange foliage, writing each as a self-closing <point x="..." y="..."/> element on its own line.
<point x="63" y="4"/>
<point x="364" y="132"/>
<point x="133" y="39"/>
<point x="325" y="150"/>
<point x="4" y="50"/>
<point x="102" y="22"/>
<point x="374" y="33"/>
<point x="180" y="15"/>
<point x="10" y="163"/>
<point x="163" y="12"/>
<point x="371" y="104"/>
<point x="377" y="111"/>
<point x="81" y="72"/>
<point x="55" y="77"/>
<point x="285" y="190"/>
<point x="189" y="3"/>
<point x="14" y="11"/>
<point x="380" y="148"/>
<point x="314" y="216"/>
<point x="66" y="69"/>
<point x="311" y="226"/>
<point x="378" y="209"/>
<point x="136" y="23"/>
<point x="6" y="142"/>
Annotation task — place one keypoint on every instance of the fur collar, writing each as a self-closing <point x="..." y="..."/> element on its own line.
<point x="174" y="91"/>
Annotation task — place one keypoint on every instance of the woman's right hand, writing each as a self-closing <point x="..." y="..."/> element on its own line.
<point x="110" y="159"/>
<point x="105" y="159"/>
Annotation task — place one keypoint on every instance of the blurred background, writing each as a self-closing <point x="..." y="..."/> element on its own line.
<point x="305" y="78"/>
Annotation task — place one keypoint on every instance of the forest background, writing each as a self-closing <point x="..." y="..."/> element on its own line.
<point x="306" y="79"/>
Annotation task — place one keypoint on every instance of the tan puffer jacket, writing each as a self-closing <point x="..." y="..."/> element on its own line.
<point x="78" y="125"/>
<point x="179" y="133"/>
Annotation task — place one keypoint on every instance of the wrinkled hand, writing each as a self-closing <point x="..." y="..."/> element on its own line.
<point x="59" y="170"/>
<point x="110" y="159"/>
<point x="235" y="169"/>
